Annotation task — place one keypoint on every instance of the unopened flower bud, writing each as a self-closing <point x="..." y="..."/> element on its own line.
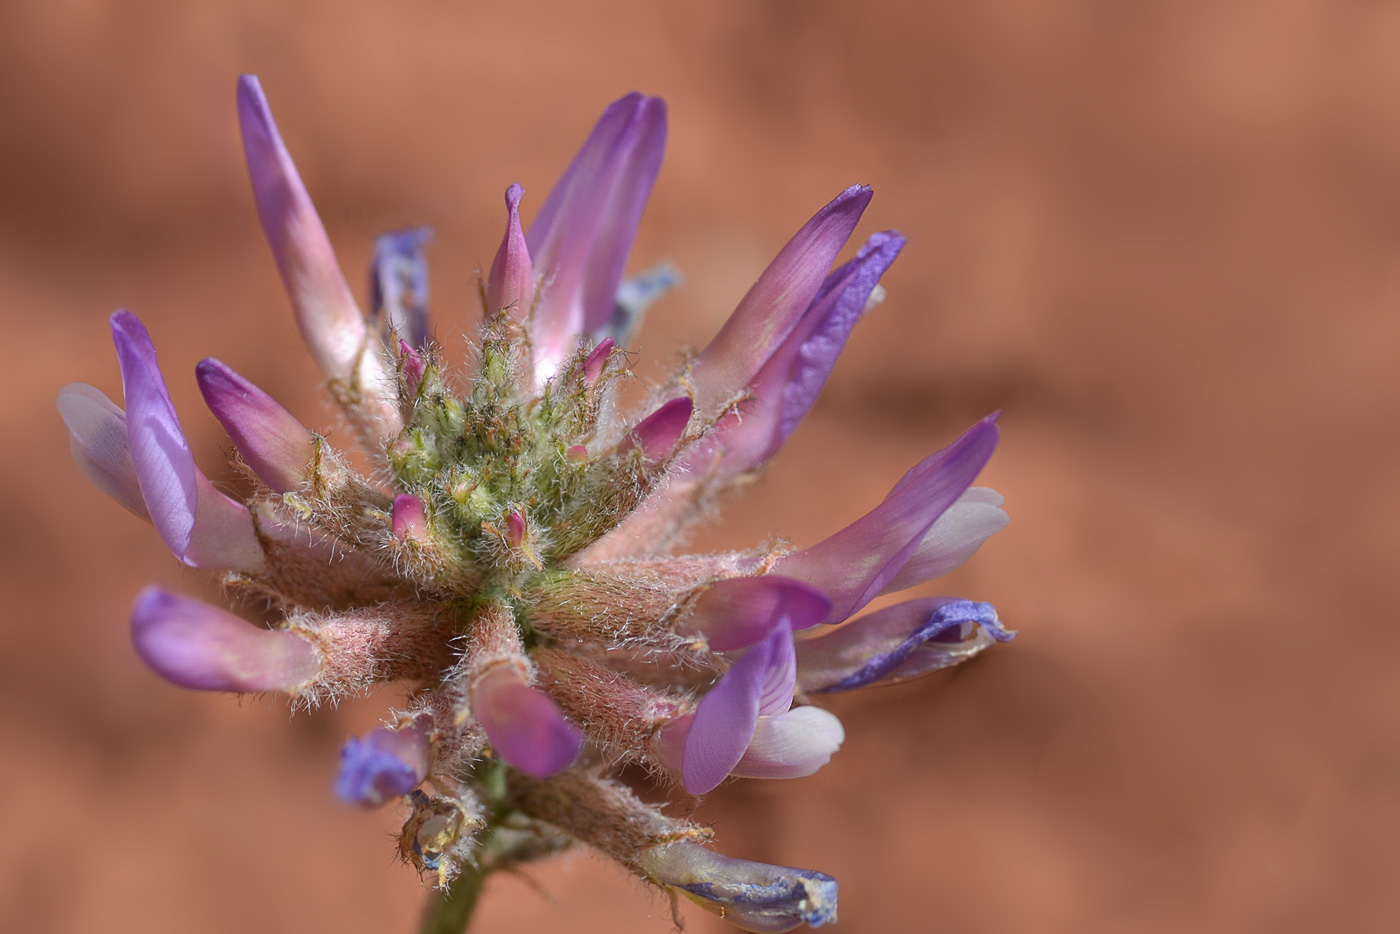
<point x="511" y="284"/>
<point x="410" y="519"/>
<point x="195" y="645"/>
<point x="276" y="446"/>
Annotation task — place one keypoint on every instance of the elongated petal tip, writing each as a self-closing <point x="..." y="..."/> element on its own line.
<point x="736" y="613"/>
<point x="511" y="283"/>
<point x="97" y="438"/>
<point x="753" y="896"/>
<point x="326" y="312"/>
<point x="897" y="643"/>
<point x="523" y="724"/>
<point x="385" y="764"/>
<point x="657" y="435"/>
<point x="195" y="645"/>
<point x="277" y="447"/>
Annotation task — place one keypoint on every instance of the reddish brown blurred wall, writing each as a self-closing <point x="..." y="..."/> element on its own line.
<point x="1164" y="237"/>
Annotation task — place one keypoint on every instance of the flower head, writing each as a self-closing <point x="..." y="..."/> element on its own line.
<point x="511" y="561"/>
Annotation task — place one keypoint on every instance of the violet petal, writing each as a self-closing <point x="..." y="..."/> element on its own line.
<point x="580" y="240"/>
<point x="195" y="645"/>
<point x="523" y="724"/>
<point x="658" y="434"/>
<point x="727" y="715"/>
<point x="385" y="764"/>
<point x="857" y="563"/>
<point x="277" y="447"/>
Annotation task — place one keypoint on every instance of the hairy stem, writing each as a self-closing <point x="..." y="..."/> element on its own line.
<point x="450" y="912"/>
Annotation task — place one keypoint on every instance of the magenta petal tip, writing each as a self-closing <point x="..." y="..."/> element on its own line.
<point x="523" y="724"/>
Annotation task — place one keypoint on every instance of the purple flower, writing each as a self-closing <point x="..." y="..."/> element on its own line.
<point x="503" y="547"/>
<point x="385" y="764"/>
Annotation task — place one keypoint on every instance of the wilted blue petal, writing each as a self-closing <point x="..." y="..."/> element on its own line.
<point x="398" y="284"/>
<point x="385" y="764"/>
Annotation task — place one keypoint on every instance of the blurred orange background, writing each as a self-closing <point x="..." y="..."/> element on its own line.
<point x="1163" y="236"/>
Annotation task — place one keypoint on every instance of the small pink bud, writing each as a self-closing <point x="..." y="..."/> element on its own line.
<point x="577" y="453"/>
<point x="511" y="284"/>
<point x="593" y="363"/>
<point x="413" y="368"/>
<point x="410" y="521"/>
<point x="515" y="528"/>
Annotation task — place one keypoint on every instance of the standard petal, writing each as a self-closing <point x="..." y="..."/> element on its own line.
<point x="752" y="896"/>
<point x="385" y="764"/>
<point x="874" y="647"/>
<point x="791" y="744"/>
<point x="523" y="724"/>
<point x="737" y="612"/>
<point x="398" y="284"/>
<point x="326" y="312"/>
<point x="581" y="238"/>
<point x="277" y="447"/>
<point x="195" y="645"/>
<point x="857" y="563"/>
<point x="957" y="534"/>
<point x="775" y="303"/>
<point x="97" y="438"/>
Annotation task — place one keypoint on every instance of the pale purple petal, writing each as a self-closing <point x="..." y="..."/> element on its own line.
<point x="857" y="563"/>
<point x="581" y="238"/>
<point x="523" y="724"/>
<point x="872" y="648"/>
<point x="97" y="437"/>
<point x="752" y="896"/>
<point x="727" y="715"/>
<point x="195" y="645"/>
<point x="224" y="537"/>
<point x="398" y="284"/>
<point x="658" y="434"/>
<point x="735" y="613"/>
<point x="385" y="764"/>
<point x="791" y="744"/>
<point x="277" y="447"/>
<point x="775" y="303"/>
<point x="957" y="534"/>
<point x="511" y="283"/>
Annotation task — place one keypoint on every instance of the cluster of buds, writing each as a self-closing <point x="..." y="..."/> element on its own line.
<point x="509" y="559"/>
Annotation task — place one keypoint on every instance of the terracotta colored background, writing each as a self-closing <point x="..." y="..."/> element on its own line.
<point x="1163" y="236"/>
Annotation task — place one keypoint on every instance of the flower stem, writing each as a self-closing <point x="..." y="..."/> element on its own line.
<point x="449" y="912"/>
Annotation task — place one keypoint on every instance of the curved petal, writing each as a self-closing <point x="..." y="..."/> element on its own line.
<point x="857" y="563"/>
<point x="195" y="645"/>
<point x="97" y="437"/>
<point x="580" y="240"/>
<point x="791" y="744"/>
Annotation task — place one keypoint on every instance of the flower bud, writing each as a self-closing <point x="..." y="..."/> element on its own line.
<point x="511" y="284"/>
<point x="277" y="447"/>
<point x="195" y="645"/>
